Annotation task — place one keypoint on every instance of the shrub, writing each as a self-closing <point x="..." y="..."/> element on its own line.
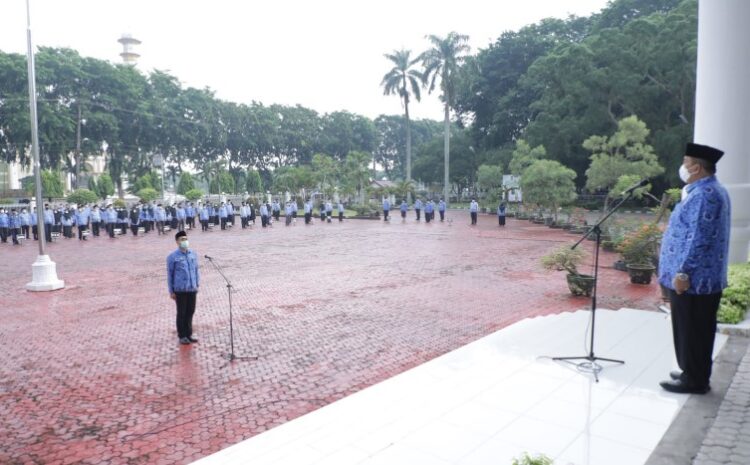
<point x="529" y="460"/>
<point x="736" y="297"/>
<point x="639" y="247"/>
<point x="147" y="194"/>
<point x="119" y="203"/>
<point x="564" y="258"/>
<point x="194" y="194"/>
<point x="82" y="196"/>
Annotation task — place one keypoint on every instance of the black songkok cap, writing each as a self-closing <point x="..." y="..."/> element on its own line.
<point x="703" y="152"/>
<point x="179" y="235"/>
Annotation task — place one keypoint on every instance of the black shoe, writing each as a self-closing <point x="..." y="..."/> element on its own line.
<point x="680" y="387"/>
<point x="675" y="375"/>
<point x="184" y="340"/>
<point x="192" y="339"/>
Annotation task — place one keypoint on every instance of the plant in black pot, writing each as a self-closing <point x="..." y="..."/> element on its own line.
<point x="638" y="249"/>
<point x="567" y="259"/>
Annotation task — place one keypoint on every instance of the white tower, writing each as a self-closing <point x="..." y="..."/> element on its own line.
<point x="129" y="57"/>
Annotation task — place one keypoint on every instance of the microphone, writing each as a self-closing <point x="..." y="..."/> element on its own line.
<point x="209" y="258"/>
<point x="639" y="184"/>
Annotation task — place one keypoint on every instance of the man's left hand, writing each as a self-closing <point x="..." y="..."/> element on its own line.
<point x="681" y="285"/>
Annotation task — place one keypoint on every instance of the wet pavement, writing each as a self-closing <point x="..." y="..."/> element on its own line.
<point x="94" y="374"/>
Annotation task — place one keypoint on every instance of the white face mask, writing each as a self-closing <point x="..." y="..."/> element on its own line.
<point x="684" y="174"/>
<point x="184" y="244"/>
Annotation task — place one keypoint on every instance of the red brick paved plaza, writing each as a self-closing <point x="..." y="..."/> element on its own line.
<point x="94" y="374"/>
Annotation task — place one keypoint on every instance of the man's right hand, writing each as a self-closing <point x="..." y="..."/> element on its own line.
<point x="172" y="296"/>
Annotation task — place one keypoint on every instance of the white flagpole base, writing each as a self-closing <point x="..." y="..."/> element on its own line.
<point x="44" y="275"/>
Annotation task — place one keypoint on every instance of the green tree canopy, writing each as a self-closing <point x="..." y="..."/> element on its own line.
<point x="623" y="153"/>
<point x="186" y="183"/>
<point x="549" y="184"/>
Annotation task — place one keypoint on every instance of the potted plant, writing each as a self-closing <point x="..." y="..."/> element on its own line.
<point x="567" y="259"/>
<point x="639" y="248"/>
<point x="526" y="459"/>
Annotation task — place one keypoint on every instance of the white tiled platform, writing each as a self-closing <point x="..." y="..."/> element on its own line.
<point x="496" y="398"/>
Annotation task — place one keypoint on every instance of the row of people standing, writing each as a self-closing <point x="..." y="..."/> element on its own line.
<point x="428" y="207"/>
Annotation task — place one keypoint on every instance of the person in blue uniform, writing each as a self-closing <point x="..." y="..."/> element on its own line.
<point x="190" y="215"/>
<point x="404" y="207"/>
<point x="501" y="214"/>
<point x="429" y="210"/>
<point x="441" y="209"/>
<point x="34" y="225"/>
<point x="82" y="222"/>
<point x="340" y="208"/>
<point x="693" y="267"/>
<point x="418" y="207"/>
<point x="386" y="208"/>
<point x="183" y="282"/>
<point x="14" y="225"/>
<point x="25" y="223"/>
<point x="49" y="221"/>
<point x="96" y="219"/>
<point x="4" y="226"/>
<point x="473" y="210"/>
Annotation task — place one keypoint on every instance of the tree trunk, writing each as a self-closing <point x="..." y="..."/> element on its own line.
<point x="78" y="150"/>
<point x="408" y="147"/>
<point x="446" y="143"/>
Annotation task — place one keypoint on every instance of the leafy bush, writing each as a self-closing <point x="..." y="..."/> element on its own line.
<point x="194" y="194"/>
<point x="119" y="203"/>
<point x="736" y="297"/>
<point x="147" y="194"/>
<point x="186" y="183"/>
<point x="82" y="196"/>
<point x="639" y="247"/>
<point x="529" y="460"/>
<point x="364" y="210"/>
<point x="564" y="258"/>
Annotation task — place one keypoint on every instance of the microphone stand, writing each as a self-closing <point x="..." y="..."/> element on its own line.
<point x="229" y="356"/>
<point x="589" y="364"/>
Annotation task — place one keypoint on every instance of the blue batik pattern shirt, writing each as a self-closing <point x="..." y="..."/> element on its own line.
<point x="182" y="271"/>
<point x="696" y="241"/>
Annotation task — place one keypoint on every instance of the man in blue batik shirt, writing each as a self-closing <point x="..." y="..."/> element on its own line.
<point x="693" y="266"/>
<point x="183" y="280"/>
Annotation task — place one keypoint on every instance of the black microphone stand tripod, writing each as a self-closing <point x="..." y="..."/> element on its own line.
<point x="229" y="356"/>
<point x="588" y="363"/>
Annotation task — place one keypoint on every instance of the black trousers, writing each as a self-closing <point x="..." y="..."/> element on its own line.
<point x="25" y="231"/>
<point x="385" y="215"/>
<point x="48" y="232"/>
<point x="308" y="216"/>
<point x="4" y="234"/>
<point x="14" y="234"/>
<point x="223" y="224"/>
<point x="473" y="217"/>
<point x="276" y="215"/>
<point x="185" y="310"/>
<point x="403" y="215"/>
<point x="501" y="220"/>
<point x="442" y="215"/>
<point x="694" y="331"/>
<point x="134" y="229"/>
<point x="418" y="212"/>
<point x="341" y="216"/>
<point x="263" y="220"/>
<point x="81" y="230"/>
<point x="35" y="231"/>
<point x="95" y="228"/>
<point x="204" y="225"/>
<point x="68" y="232"/>
<point x="111" y="229"/>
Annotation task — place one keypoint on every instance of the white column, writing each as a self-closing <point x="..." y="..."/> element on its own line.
<point x="722" y="105"/>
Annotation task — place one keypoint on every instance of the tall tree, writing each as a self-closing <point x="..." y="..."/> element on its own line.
<point x="442" y="62"/>
<point x="405" y="80"/>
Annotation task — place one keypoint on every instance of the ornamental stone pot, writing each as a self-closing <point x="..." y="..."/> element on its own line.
<point x="640" y="274"/>
<point x="581" y="284"/>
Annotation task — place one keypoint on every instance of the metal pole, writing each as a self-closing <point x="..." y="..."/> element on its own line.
<point x="44" y="272"/>
<point x="35" y="136"/>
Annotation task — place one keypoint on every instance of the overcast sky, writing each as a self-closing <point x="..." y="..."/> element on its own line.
<point x="322" y="54"/>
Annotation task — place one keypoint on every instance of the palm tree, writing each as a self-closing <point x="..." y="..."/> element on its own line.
<point x="405" y="81"/>
<point x="443" y="61"/>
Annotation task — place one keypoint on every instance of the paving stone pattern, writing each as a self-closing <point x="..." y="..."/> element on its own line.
<point x="728" y="439"/>
<point x="94" y="374"/>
